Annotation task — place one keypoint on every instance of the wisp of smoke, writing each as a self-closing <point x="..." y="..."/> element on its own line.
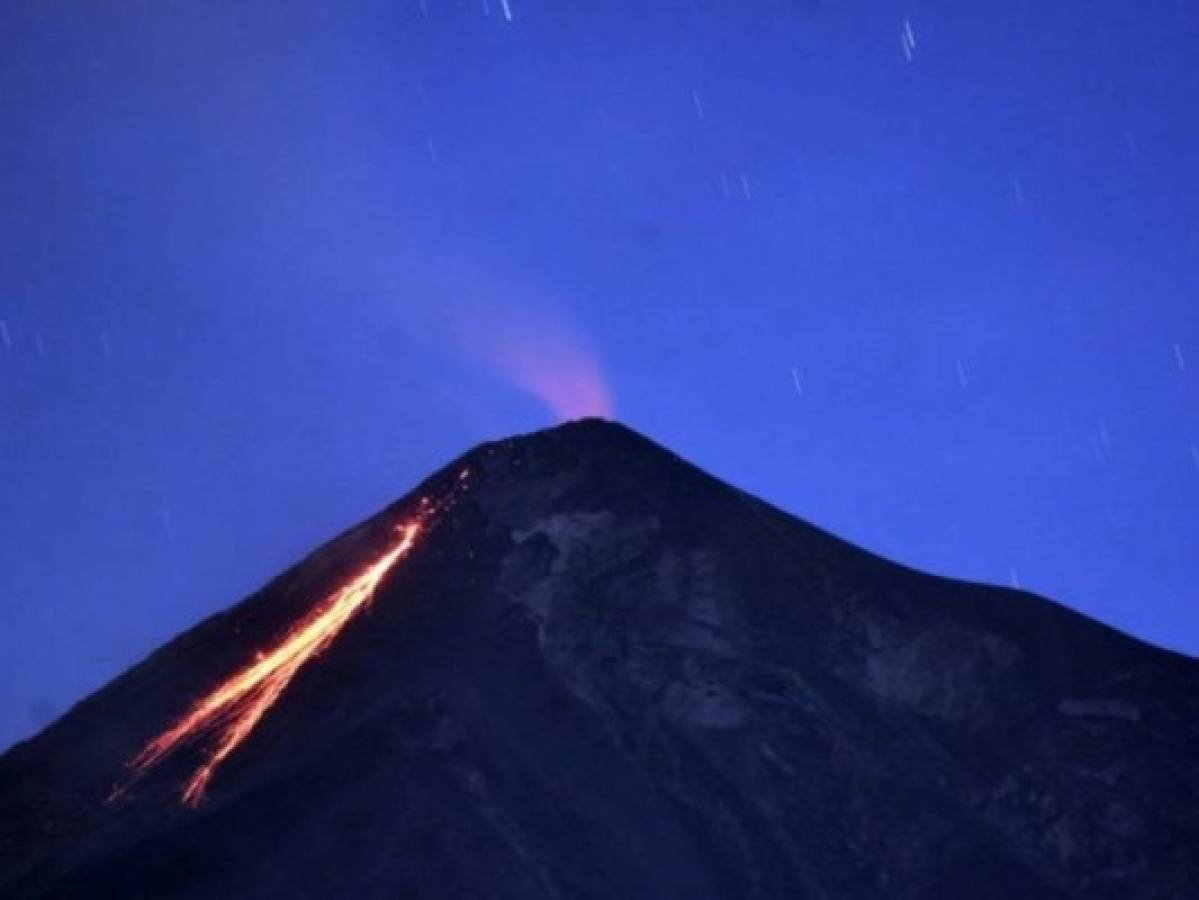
<point x="537" y="351"/>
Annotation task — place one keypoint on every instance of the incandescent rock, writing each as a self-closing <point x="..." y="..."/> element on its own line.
<point x="605" y="674"/>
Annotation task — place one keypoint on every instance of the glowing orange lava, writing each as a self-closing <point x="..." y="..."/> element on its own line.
<point x="233" y="709"/>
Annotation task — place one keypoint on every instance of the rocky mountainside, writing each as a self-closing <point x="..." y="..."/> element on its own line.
<point x="601" y="673"/>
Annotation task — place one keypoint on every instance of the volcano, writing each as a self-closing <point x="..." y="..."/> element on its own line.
<point x="572" y="665"/>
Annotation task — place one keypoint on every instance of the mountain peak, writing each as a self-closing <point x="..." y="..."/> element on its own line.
<point x="576" y="441"/>
<point x="572" y="664"/>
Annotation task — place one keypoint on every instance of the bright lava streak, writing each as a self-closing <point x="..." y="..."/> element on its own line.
<point x="237" y="705"/>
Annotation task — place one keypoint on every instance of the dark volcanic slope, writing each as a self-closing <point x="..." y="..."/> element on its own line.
<point x="605" y="674"/>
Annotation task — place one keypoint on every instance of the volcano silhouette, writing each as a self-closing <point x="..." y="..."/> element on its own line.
<point x="601" y="673"/>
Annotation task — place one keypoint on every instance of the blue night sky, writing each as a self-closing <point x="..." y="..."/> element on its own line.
<point x="925" y="274"/>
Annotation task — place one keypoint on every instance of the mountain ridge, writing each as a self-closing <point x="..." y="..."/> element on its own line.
<point x="646" y="604"/>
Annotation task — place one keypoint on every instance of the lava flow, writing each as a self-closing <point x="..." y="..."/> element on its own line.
<point x="233" y="709"/>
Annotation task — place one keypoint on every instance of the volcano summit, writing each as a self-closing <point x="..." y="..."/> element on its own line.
<point x="571" y="665"/>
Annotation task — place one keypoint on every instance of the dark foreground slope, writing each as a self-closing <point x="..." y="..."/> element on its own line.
<point x="604" y="674"/>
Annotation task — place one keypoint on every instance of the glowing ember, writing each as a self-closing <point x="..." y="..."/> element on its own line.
<point x="233" y="709"/>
